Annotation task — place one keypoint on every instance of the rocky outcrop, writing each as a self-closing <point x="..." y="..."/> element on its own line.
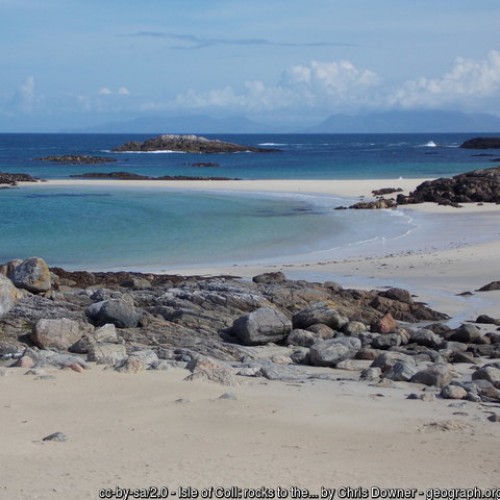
<point x="78" y="159"/>
<point x="9" y="295"/>
<point x="13" y="179"/>
<point x="471" y="187"/>
<point x="482" y="143"/>
<point x="223" y="328"/>
<point x="129" y="176"/>
<point x="188" y="144"/>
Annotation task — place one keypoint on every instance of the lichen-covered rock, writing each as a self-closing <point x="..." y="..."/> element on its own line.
<point x="32" y="274"/>
<point x="438" y="375"/>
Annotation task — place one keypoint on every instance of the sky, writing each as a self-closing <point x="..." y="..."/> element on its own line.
<point x="71" y="63"/>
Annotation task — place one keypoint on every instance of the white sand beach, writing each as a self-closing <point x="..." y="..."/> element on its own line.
<point x="131" y="431"/>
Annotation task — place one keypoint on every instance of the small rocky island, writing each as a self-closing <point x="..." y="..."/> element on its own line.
<point x="77" y="159"/>
<point x="188" y="144"/>
<point x="130" y="176"/>
<point x="482" y="143"/>
<point x="12" y="179"/>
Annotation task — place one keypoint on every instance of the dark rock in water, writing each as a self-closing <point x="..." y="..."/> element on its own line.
<point x="384" y="191"/>
<point x="77" y="159"/>
<point x="383" y="203"/>
<point x="487" y="320"/>
<point x="129" y="176"/>
<point x="13" y="179"/>
<point x="188" y="144"/>
<point x="471" y="187"/>
<point x="490" y="287"/>
<point x="205" y="164"/>
<point x="482" y="143"/>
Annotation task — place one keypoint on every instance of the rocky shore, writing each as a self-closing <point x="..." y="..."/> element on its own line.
<point x="222" y="329"/>
<point x="12" y="179"/>
<point x="188" y="144"/>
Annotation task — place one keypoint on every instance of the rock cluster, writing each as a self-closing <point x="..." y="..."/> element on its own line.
<point x="471" y="187"/>
<point x="78" y="159"/>
<point x="188" y="144"/>
<point x="482" y="143"/>
<point x="129" y="176"/>
<point x="13" y="179"/>
<point x="223" y="328"/>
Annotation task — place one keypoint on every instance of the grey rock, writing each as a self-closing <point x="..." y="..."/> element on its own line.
<point x="386" y="341"/>
<point x="426" y="338"/>
<point x="56" y="436"/>
<point x="354" y="328"/>
<point x="262" y="326"/>
<point x="108" y="354"/>
<point x="9" y="295"/>
<point x="320" y="312"/>
<point x="387" y="360"/>
<point x="453" y="391"/>
<point x="401" y="371"/>
<point x="398" y="294"/>
<point x="332" y="351"/>
<point x="438" y="375"/>
<point x="302" y="338"/>
<point x="489" y="373"/>
<point x="228" y="396"/>
<point x="32" y="274"/>
<point x="466" y="333"/>
<point x="56" y="333"/>
<point x="118" y="312"/>
<point x="139" y="361"/>
<point x="371" y="374"/>
<point x="136" y="283"/>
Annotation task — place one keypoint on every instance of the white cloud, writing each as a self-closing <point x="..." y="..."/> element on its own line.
<point x="123" y="91"/>
<point x="104" y="91"/>
<point x="329" y="85"/>
<point x="467" y="82"/>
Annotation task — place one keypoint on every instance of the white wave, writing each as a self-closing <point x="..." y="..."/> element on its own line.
<point x="272" y="144"/>
<point x="430" y="144"/>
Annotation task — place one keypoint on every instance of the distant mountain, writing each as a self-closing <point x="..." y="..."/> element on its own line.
<point x="409" y="122"/>
<point x="179" y="125"/>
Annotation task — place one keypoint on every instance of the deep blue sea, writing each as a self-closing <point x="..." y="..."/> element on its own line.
<point x="106" y="228"/>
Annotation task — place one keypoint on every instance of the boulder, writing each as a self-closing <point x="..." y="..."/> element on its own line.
<point x="398" y="294"/>
<point x="32" y="274"/>
<point x="402" y="371"/>
<point x="139" y="361"/>
<point x="118" y="312"/>
<point x="438" y="375"/>
<point x="386" y="324"/>
<point x="107" y="354"/>
<point x="209" y="369"/>
<point x="453" y="391"/>
<point x="320" y="312"/>
<point x="466" y="333"/>
<point x="262" y="326"/>
<point x="426" y="338"/>
<point x="56" y="333"/>
<point x="354" y="328"/>
<point x="386" y="341"/>
<point x="302" y="338"/>
<point x="387" y="360"/>
<point x="333" y="351"/>
<point x="9" y="295"/>
<point x="489" y="373"/>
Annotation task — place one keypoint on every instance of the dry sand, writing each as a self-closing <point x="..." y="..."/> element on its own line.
<point x="129" y="431"/>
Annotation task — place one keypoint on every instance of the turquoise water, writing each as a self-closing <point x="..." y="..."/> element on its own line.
<point x="100" y="228"/>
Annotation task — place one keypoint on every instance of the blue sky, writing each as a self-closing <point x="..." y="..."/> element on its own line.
<point x="75" y="63"/>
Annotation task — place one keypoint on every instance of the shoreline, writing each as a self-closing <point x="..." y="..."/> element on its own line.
<point x="454" y="249"/>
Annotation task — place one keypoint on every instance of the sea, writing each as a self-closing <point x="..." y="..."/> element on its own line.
<point x="107" y="228"/>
